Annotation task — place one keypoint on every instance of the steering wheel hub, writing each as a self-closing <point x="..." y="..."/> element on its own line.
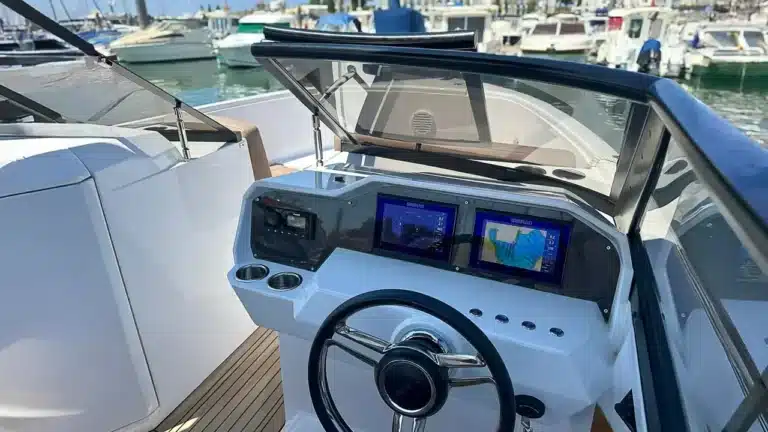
<point x="409" y="381"/>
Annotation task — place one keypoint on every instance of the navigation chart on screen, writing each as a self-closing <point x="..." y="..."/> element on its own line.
<point x="514" y="246"/>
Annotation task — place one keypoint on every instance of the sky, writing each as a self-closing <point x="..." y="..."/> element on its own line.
<point x="81" y="8"/>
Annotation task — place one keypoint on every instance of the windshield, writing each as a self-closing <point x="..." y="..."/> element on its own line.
<point x="755" y="39"/>
<point x="85" y="91"/>
<point x="569" y="29"/>
<point x="724" y="39"/>
<point x="544" y="29"/>
<point x="481" y="117"/>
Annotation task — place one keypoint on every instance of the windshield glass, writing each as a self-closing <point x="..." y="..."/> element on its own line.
<point x="481" y="117"/>
<point x="544" y="29"/>
<point x="85" y="91"/>
<point x="724" y="39"/>
<point x="569" y="29"/>
<point x="755" y="39"/>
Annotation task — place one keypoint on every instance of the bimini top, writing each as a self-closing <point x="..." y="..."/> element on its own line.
<point x="97" y="90"/>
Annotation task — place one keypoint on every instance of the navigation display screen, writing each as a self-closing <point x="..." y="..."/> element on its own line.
<point x="519" y="245"/>
<point x="414" y="227"/>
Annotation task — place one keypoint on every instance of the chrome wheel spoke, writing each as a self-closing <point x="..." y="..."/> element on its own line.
<point x="397" y="422"/>
<point x="469" y="382"/>
<point x="362" y="338"/>
<point x="454" y="361"/>
<point x="419" y="424"/>
<point x="358" y="355"/>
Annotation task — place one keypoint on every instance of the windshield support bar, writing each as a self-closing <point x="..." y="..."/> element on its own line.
<point x="351" y="73"/>
<point x="29" y="105"/>
<point x="318" y="139"/>
<point x="476" y="93"/>
<point x="182" y="132"/>
<point x="305" y="97"/>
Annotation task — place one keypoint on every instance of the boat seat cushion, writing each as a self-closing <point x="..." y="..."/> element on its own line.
<point x="252" y="136"/>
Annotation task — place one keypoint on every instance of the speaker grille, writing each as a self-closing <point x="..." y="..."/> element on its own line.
<point x="423" y="124"/>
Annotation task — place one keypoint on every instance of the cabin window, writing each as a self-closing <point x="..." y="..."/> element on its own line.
<point x="571" y="28"/>
<point x="545" y="29"/>
<point x="476" y="24"/>
<point x="635" y="28"/>
<point x="723" y="39"/>
<point x="698" y="261"/>
<point x="755" y="39"/>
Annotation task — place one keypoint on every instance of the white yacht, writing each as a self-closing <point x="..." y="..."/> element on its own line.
<point x="629" y="29"/>
<point x="169" y="40"/>
<point x="235" y="49"/>
<point x="737" y="50"/>
<point x="557" y="37"/>
<point x="553" y="247"/>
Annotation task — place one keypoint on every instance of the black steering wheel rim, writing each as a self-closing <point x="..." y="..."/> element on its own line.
<point x="421" y="302"/>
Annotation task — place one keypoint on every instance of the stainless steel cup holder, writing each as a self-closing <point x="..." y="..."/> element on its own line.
<point x="284" y="281"/>
<point x="252" y="272"/>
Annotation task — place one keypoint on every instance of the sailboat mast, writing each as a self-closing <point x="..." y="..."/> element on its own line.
<point x="53" y="9"/>
<point x="141" y="11"/>
<point x="66" y="11"/>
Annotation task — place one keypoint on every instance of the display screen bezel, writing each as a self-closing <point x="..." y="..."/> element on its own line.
<point x="483" y="215"/>
<point x="450" y="210"/>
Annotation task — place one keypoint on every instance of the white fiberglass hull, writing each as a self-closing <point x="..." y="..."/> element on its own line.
<point x="730" y="65"/>
<point x="235" y="50"/>
<point x="237" y="56"/>
<point x="556" y="44"/>
<point x="161" y="52"/>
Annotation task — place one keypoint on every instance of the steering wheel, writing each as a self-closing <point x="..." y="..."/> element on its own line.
<point x="412" y="376"/>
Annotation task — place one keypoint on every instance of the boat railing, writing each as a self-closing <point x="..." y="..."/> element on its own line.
<point x="667" y="128"/>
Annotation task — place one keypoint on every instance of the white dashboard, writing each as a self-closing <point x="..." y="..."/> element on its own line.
<point x="309" y="241"/>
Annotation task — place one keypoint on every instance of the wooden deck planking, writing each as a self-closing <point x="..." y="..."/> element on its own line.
<point x="243" y="393"/>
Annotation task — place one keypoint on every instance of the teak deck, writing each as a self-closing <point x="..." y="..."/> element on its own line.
<point x="243" y="394"/>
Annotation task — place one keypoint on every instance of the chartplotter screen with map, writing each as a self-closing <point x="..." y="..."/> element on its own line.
<point x="520" y="245"/>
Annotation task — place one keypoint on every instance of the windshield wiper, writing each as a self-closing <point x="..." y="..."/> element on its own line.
<point x="484" y="169"/>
